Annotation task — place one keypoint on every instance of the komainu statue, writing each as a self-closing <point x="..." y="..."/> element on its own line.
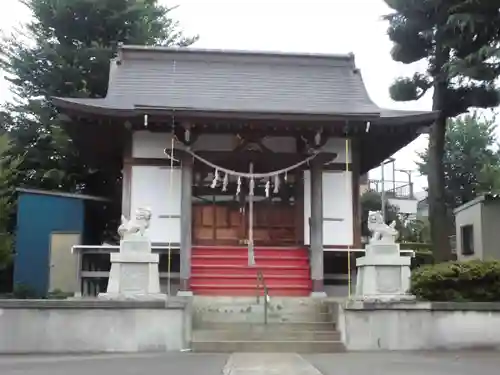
<point x="137" y="225"/>
<point x="381" y="232"/>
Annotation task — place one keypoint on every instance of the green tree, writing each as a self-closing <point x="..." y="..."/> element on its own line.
<point x="470" y="159"/>
<point x="65" y="51"/>
<point x="459" y="40"/>
<point x="415" y="231"/>
<point x="8" y="170"/>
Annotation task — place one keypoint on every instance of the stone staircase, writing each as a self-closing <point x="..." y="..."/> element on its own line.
<point x="236" y="324"/>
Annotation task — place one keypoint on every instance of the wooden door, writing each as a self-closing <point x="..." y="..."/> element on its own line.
<point x="217" y="223"/>
<point x="274" y="224"/>
<point x="64" y="265"/>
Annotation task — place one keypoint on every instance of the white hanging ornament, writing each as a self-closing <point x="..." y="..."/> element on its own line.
<point x="276" y="184"/>
<point x="268" y="187"/>
<point x="252" y="186"/>
<point x="286" y="176"/>
<point x="225" y="182"/>
<point x="238" y="186"/>
<point x="216" y="178"/>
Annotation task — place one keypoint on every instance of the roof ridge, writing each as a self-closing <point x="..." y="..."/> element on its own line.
<point x="242" y="52"/>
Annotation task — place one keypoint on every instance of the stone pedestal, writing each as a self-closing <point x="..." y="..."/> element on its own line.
<point x="134" y="272"/>
<point x="383" y="274"/>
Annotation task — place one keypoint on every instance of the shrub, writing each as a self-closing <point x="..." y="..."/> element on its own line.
<point x="474" y="280"/>
<point x="22" y="291"/>
<point x="422" y="258"/>
<point x="416" y="246"/>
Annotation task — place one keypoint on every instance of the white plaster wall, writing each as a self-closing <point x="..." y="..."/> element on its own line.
<point x="338" y="145"/>
<point x="146" y="144"/>
<point x="337" y="208"/>
<point x="63" y="330"/>
<point x="160" y="189"/>
<point x="418" y="327"/>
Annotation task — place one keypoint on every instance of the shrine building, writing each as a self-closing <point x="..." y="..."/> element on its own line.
<point x="242" y="155"/>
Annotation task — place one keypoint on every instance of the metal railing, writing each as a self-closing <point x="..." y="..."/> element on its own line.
<point x="393" y="189"/>
<point x="91" y="272"/>
<point x="262" y="282"/>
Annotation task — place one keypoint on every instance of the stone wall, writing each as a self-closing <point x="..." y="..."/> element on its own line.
<point x="93" y="326"/>
<point x="419" y="326"/>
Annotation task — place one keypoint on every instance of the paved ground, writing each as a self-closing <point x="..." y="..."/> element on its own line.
<point x="431" y="363"/>
<point x="438" y="363"/>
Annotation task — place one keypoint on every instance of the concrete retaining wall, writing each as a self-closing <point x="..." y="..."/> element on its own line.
<point x="92" y="326"/>
<point x="419" y="325"/>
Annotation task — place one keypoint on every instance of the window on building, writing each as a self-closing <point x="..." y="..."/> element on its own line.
<point x="467" y="234"/>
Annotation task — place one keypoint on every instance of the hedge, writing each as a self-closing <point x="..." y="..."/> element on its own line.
<point x="466" y="281"/>
<point x="416" y="246"/>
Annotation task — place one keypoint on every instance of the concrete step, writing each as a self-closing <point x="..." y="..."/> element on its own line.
<point x="253" y="306"/>
<point x="274" y="327"/>
<point x="265" y="335"/>
<point x="279" y="301"/>
<point x="268" y="346"/>
<point x="294" y="303"/>
<point x="258" y="317"/>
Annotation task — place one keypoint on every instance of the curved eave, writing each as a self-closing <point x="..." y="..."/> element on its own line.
<point x="105" y="108"/>
<point x="396" y="117"/>
<point x="405" y="127"/>
<point x="92" y="107"/>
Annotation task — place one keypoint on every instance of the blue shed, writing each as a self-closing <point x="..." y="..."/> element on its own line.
<point x="47" y="221"/>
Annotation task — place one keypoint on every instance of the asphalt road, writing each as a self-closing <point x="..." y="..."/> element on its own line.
<point x="437" y="363"/>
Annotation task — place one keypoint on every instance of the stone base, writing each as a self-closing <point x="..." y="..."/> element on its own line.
<point x="132" y="297"/>
<point x="385" y="298"/>
<point x="134" y="273"/>
<point x="383" y="274"/>
<point x="184" y="293"/>
<point x="318" y="295"/>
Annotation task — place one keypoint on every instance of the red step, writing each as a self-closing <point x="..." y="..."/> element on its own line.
<point x="295" y="253"/>
<point x="241" y="292"/>
<point x="242" y="260"/>
<point x="224" y="271"/>
<point x="251" y="281"/>
<point x="267" y="271"/>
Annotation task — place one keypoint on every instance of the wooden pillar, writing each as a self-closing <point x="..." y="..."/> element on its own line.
<point x="356" y="196"/>
<point x="186" y="220"/>
<point x="317" y="226"/>
<point x="127" y="175"/>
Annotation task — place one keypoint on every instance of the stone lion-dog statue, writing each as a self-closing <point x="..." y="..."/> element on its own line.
<point x="137" y="225"/>
<point x="381" y="232"/>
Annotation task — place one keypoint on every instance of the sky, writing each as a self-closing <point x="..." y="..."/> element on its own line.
<point x="315" y="26"/>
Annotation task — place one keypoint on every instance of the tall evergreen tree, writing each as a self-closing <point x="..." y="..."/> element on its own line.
<point x="459" y="40"/>
<point x="470" y="156"/>
<point x="65" y="51"/>
<point x="8" y="170"/>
